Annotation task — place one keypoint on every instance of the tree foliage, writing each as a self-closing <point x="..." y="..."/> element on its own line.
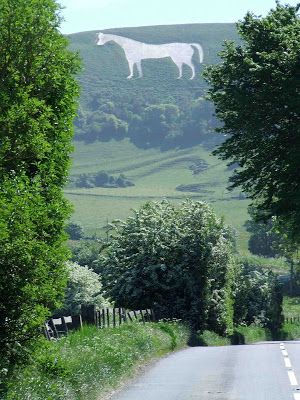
<point x="175" y="259"/>
<point x="37" y="105"/>
<point x="256" y="94"/>
<point x="74" y="230"/>
<point x="257" y="297"/>
<point x="164" y="125"/>
<point x="264" y="239"/>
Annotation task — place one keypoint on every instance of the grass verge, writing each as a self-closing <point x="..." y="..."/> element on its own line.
<point x="89" y="363"/>
<point x="242" y="335"/>
<point x="250" y="334"/>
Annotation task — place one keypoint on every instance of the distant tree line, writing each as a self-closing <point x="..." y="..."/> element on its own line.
<point x="163" y="125"/>
<point x="102" y="179"/>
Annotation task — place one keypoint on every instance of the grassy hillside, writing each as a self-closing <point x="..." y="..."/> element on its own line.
<point x="156" y="174"/>
<point x="105" y="67"/>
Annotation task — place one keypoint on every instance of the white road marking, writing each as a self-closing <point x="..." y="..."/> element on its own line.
<point x="287" y="362"/>
<point x="291" y="373"/>
<point x="292" y="378"/>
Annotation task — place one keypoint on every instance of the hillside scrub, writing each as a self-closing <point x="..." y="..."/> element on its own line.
<point x="88" y="363"/>
<point x="156" y="125"/>
<point x="176" y="260"/>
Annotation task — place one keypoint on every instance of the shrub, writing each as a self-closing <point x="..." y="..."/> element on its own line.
<point x="75" y="231"/>
<point x="175" y="259"/>
<point x="257" y="297"/>
<point x="84" y="287"/>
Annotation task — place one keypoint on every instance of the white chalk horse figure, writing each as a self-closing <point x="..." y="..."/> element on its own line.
<point x="135" y="52"/>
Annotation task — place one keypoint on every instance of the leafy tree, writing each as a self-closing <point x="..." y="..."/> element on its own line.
<point x="85" y="181"/>
<point x="257" y="297"/>
<point x="75" y="231"/>
<point x="37" y="105"/>
<point x="101" y="178"/>
<point x="103" y="126"/>
<point x="175" y="259"/>
<point x="256" y="94"/>
<point x="86" y="253"/>
<point x="264" y="239"/>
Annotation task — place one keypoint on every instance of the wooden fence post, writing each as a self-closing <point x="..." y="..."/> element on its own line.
<point x="120" y="316"/>
<point x="114" y="317"/>
<point x="77" y="321"/>
<point x="107" y="316"/>
<point x="88" y="313"/>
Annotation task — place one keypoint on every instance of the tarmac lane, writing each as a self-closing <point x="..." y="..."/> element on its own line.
<point x="248" y="372"/>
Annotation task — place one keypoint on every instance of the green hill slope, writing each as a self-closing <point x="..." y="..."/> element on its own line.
<point x="178" y="172"/>
<point x="105" y="67"/>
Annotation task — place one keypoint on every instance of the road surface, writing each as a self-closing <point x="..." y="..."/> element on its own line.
<point x="266" y="371"/>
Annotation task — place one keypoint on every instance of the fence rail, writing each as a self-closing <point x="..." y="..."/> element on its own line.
<point x="292" y="319"/>
<point x="102" y="318"/>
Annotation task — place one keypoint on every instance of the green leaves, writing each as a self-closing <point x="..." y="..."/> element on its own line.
<point x="171" y="258"/>
<point x="37" y="104"/>
<point x="256" y="95"/>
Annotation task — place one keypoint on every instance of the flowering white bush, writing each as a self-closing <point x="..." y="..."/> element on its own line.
<point x="84" y="287"/>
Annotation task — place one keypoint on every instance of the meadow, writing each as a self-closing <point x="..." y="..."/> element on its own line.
<point x="156" y="175"/>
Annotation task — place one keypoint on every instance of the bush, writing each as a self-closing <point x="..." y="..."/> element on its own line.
<point x="86" y="253"/>
<point x="84" y="287"/>
<point x="257" y="297"/>
<point x="174" y="259"/>
<point x="75" y="231"/>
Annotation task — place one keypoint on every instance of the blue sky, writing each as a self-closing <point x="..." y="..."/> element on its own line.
<point x="85" y="15"/>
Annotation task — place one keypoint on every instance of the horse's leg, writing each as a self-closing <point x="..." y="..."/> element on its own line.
<point x="191" y="65"/>
<point x="179" y="66"/>
<point x="130" y="65"/>
<point x="139" y="68"/>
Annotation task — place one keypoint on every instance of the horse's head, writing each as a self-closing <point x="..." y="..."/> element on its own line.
<point x="100" y="39"/>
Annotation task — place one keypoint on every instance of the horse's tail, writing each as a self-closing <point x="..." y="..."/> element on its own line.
<point x="200" y="50"/>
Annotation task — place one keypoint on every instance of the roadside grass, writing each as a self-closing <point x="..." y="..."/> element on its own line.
<point x="291" y="331"/>
<point x="209" y="338"/>
<point x="291" y="306"/>
<point x="251" y="334"/>
<point x="89" y="363"/>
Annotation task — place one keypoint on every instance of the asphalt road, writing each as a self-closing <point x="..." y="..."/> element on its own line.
<point x="266" y="371"/>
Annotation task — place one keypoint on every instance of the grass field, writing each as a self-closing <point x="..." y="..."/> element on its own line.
<point x="156" y="175"/>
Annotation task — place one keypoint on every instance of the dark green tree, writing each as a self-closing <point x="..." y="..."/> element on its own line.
<point x="257" y="297"/>
<point x="264" y="239"/>
<point x="75" y="231"/>
<point x="174" y="259"/>
<point x="37" y="106"/>
<point x="256" y="94"/>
